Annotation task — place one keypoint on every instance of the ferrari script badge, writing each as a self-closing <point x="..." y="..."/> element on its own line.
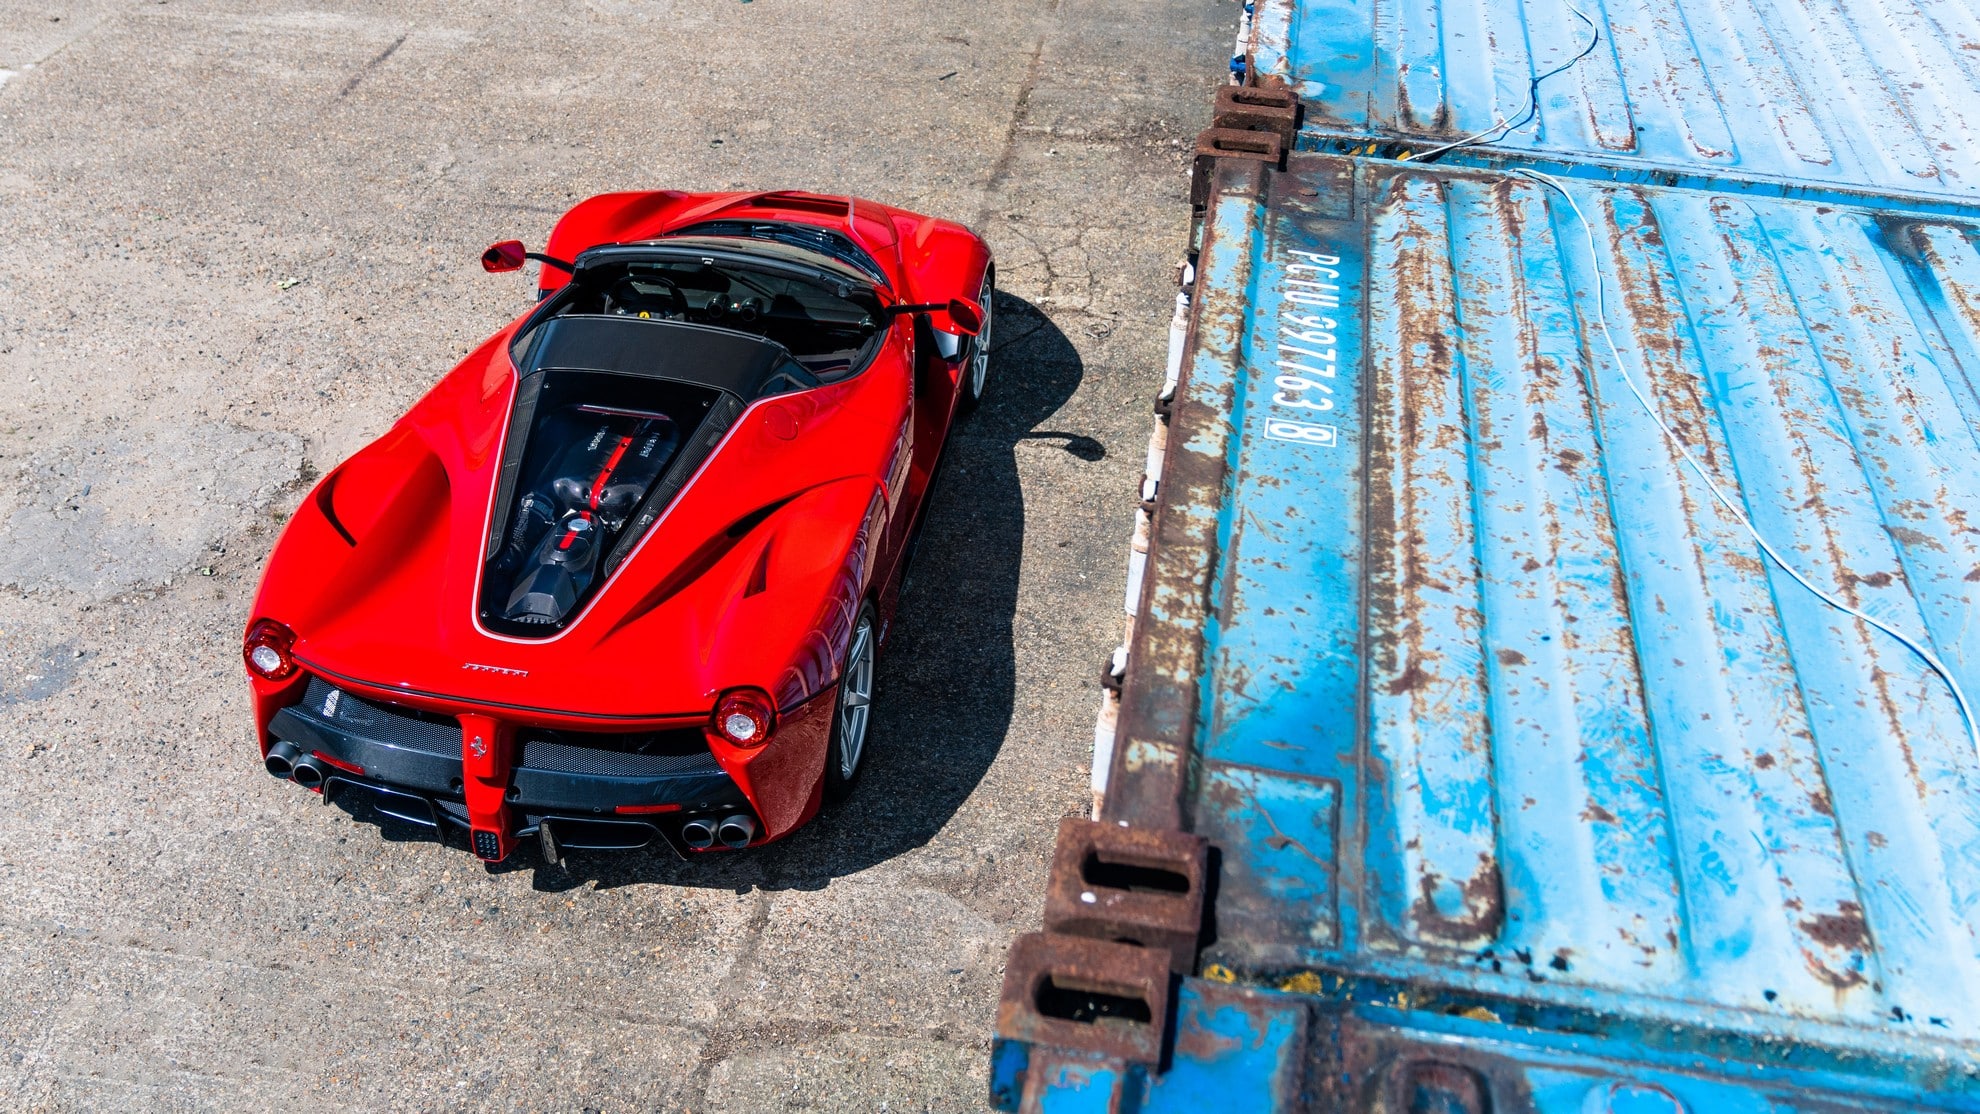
<point x="477" y="667"/>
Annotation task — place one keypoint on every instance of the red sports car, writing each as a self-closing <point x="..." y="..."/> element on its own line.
<point x="623" y="573"/>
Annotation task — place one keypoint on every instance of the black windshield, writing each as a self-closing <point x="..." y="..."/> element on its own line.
<point x="825" y="241"/>
<point x="820" y="315"/>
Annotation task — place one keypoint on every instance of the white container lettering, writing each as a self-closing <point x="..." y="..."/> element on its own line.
<point x="1308" y="350"/>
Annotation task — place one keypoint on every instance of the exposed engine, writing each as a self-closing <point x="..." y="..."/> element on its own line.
<point x="593" y="467"/>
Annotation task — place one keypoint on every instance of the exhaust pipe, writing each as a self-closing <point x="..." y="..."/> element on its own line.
<point x="736" y="831"/>
<point x="281" y="760"/>
<point x="699" y="833"/>
<point x="308" y="772"/>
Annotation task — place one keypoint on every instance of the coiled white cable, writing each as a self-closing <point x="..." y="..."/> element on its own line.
<point x="1738" y="513"/>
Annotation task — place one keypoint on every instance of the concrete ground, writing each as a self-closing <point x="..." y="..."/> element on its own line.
<point x="239" y="239"/>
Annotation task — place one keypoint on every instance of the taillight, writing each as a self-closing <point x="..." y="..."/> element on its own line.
<point x="744" y="717"/>
<point x="267" y="650"/>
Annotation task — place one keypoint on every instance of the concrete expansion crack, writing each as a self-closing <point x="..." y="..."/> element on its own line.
<point x="1000" y="170"/>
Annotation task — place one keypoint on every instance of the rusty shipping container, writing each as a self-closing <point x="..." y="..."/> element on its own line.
<point x="1552" y="614"/>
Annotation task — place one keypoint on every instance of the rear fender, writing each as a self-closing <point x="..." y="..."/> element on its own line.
<point x="784" y="779"/>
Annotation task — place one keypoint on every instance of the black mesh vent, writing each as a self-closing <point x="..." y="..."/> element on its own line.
<point x="428" y="732"/>
<point x="606" y="754"/>
<point x="644" y="754"/>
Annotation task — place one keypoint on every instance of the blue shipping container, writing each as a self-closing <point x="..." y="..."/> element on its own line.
<point x="1880" y="97"/>
<point x="1531" y="780"/>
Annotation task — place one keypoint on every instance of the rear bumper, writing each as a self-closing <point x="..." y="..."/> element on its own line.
<point x="573" y="831"/>
<point x="409" y="765"/>
<point x="548" y="788"/>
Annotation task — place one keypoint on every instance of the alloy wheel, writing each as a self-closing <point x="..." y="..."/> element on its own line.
<point x="855" y="700"/>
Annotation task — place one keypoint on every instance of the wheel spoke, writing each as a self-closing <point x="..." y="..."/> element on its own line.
<point x="855" y="696"/>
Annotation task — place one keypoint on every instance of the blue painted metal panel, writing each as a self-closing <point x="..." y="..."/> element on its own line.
<point x="1879" y="95"/>
<point x="1232" y="1054"/>
<point x="1535" y="785"/>
<point x="1597" y="751"/>
<point x="1509" y="736"/>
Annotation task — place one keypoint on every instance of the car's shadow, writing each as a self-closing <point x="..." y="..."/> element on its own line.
<point x="944" y="695"/>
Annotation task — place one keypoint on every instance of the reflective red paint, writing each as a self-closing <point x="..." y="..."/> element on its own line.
<point x="751" y="577"/>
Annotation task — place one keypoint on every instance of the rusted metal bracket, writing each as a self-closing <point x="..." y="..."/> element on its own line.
<point x="1134" y="885"/>
<point x="1257" y="122"/>
<point x="1096" y="996"/>
<point x="1230" y="143"/>
<point x="1109" y="679"/>
<point x="1270" y="106"/>
<point x="1123" y="915"/>
<point x="1072" y="998"/>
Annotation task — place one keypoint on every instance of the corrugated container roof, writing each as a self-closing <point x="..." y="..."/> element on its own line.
<point x="1843" y="94"/>
<point x="1496" y="695"/>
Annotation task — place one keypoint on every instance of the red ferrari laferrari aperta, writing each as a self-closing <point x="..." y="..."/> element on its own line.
<point x="623" y="573"/>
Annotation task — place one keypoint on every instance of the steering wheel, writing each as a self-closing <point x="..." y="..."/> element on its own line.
<point x="627" y="295"/>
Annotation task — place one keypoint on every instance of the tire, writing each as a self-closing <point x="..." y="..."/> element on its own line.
<point x="852" y="710"/>
<point x="976" y="370"/>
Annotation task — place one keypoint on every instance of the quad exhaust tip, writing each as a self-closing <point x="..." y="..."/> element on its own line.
<point x="308" y="772"/>
<point x="699" y="833"/>
<point x="736" y="831"/>
<point x="281" y="760"/>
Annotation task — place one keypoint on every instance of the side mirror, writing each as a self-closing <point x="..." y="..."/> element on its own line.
<point x="966" y="316"/>
<point x="505" y="256"/>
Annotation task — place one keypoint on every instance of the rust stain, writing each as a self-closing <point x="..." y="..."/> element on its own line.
<point x="1144" y="755"/>
<point x="1763" y="761"/>
<point x="1840" y="980"/>
<point x="1202" y="1043"/>
<point x="1511" y="657"/>
<point x="1412" y="678"/>
<point x="1844" y="930"/>
<point x="1659" y="326"/>
<point x="1905" y="535"/>
<point x="1595" y="813"/>
<point x="1484" y="906"/>
<point x="1416" y="419"/>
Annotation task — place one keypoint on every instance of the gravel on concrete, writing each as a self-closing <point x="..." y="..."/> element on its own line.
<point x="240" y="239"/>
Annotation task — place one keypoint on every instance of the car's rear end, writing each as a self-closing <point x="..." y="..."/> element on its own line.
<point x="571" y="600"/>
<point x="598" y="787"/>
<point x="1473" y="754"/>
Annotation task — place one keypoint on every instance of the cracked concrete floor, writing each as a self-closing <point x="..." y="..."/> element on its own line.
<point x="242" y="238"/>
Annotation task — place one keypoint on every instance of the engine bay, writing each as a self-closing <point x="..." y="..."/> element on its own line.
<point x="597" y="444"/>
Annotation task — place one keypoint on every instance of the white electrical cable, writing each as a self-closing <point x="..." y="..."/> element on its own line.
<point x="1506" y="127"/>
<point x="1602" y="319"/>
